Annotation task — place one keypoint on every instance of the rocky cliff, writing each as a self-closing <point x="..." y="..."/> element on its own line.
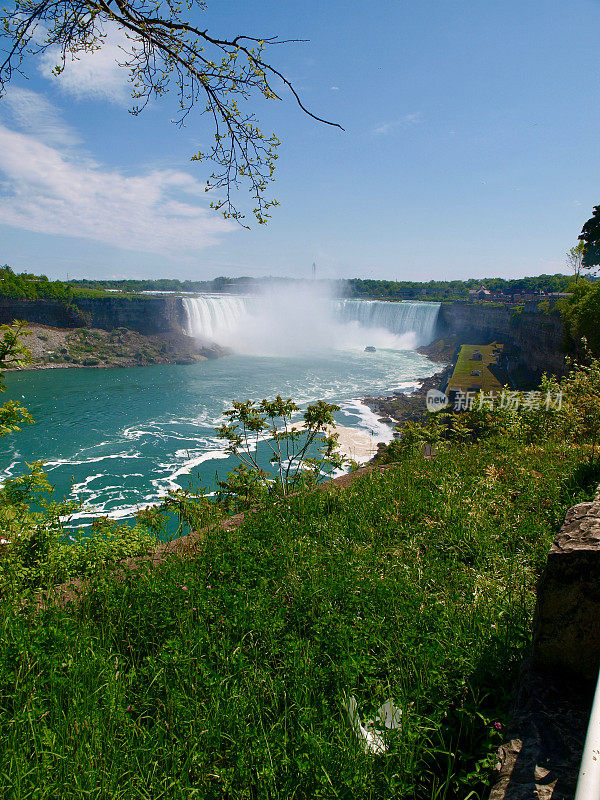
<point x="107" y="332"/>
<point x="533" y="340"/>
<point x="147" y="315"/>
<point x="43" y="312"/>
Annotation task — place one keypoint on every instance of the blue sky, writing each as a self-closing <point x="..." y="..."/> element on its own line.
<point x="470" y="149"/>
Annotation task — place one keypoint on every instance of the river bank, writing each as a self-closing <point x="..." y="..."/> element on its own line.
<point x="53" y="348"/>
<point x="400" y="407"/>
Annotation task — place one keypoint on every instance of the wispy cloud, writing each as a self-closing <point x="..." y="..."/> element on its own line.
<point x="407" y="121"/>
<point x="335" y="88"/>
<point x="96" y="74"/>
<point x="30" y="112"/>
<point x="52" y="188"/>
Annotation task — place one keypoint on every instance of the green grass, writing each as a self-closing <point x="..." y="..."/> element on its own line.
<point x="223" y="676"/>
<point x="462" y="378"/>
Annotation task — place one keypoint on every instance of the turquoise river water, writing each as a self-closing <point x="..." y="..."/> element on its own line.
<point x="119" y="439"/>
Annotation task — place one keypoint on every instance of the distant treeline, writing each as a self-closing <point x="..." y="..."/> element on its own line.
<point x="454" y="290"/>
<point x="29" y="286"/>
<point x="353" y="287"/>
<point x="163" y="285"/>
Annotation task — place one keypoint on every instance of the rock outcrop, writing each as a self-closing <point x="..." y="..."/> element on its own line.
<point x="567" y="625"/>
<point x="93" y="347"/>
<point x="542" y="755"/>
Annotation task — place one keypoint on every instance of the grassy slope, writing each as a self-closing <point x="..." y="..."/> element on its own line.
<point x="463" y="379"/>
<point x="223" y="676"/>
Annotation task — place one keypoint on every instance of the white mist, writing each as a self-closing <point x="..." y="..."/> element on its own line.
<point x="297" y="319"/>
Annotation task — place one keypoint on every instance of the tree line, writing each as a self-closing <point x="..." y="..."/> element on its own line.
<point x="454" y="290"/>
<point x="28" y="286"/>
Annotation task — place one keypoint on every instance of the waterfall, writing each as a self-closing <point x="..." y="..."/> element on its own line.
<point x="213" y="317"/>
<point x="417" y="318"/>
<point x="295" y="320"/>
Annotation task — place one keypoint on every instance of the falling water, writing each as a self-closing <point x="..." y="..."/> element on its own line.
<point x="298" y="320"/>
<point x="416" y="318"/>
<point x="214" y="317"/>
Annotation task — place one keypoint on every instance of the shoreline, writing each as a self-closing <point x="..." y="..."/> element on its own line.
<point x="397" y="408"/>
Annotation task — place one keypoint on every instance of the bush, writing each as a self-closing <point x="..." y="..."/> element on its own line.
<point x="581" y="314"/>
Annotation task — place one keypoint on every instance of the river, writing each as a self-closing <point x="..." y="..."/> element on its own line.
<point x="119" y="439"/>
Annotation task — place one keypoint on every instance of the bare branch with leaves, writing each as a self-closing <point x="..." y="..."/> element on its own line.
<point x="166" y="50"/>
<point x="574" y="259"/>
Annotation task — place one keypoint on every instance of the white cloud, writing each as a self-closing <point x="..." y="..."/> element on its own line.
<point x="46" y="189"/>
<point x="335" y="88"/>
<point x="405" y="122"/>
<point x="96" y="74"/>
<point x="30" y="112"/>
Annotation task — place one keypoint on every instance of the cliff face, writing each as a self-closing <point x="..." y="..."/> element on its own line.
<point x="533" y="341"/>
<point x="145" y="315"/>
<point x="44" y="312"/>
<point x="148" y="315"/>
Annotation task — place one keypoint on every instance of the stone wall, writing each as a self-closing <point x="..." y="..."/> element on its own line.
<point x="533" y="341"/>
<point x="567" y="623"/>
<point x="542" y="752"/>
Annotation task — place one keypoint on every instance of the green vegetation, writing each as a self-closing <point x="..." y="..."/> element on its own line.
<point x="26" y="286"/>
<point x="301" y="455"/>
<point x="472" y="371"/>
<point x="574" y="259"/>
<point x="454" y="290"/>
<point x="580" y="315"/>
<point x="590" y="237"/>
<point x="224" y="674"/>
<point x="13" y="353"/>
<point x="354" y="287"/>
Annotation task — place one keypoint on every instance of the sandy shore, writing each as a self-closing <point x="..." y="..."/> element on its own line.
<point x="353" y="443"/>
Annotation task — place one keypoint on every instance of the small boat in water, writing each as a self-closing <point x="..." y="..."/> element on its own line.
<point x="370" y="349"/>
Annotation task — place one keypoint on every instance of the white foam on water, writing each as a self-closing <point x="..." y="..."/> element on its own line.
<point x="405" y="386"/>
<point x="165" y="451"/>
<point x="170" y="481"/>
<point x="60" y="462"/>
<point x="368" y="420"/>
